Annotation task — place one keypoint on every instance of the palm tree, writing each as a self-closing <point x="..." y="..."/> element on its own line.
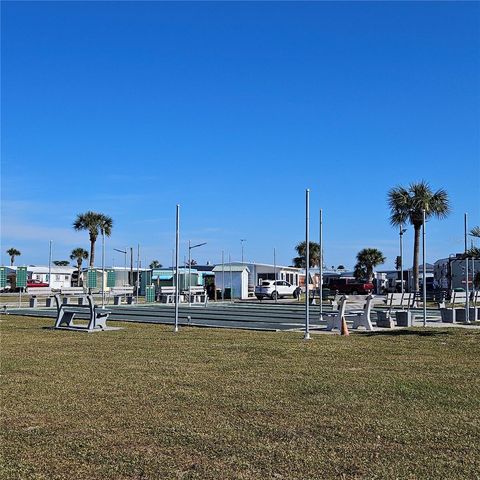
<point x="367" y="260"/>
<point x="61" y="263"/>
<point x="13" y="252"/>
<point x="155" y="264"/>
<point x="95" y="223"/>
<point x="301" y="247"/>
<point x="79" y="254"/>
<point x="475" y="232"/>
<point x="407" y="205"/>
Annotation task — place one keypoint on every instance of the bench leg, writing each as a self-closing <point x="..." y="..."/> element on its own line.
<point x="334" y="323"/>
<point x="48" y="302"/>
<point x="362" y="321"/>
<point x="33" y="302"/>
<point x="65" y="301"/>
<point x="64" y="319"/>
<point x="117" y="300"/>
<point x="99" y="320"/>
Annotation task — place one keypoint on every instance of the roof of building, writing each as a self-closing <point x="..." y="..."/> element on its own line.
<point x="42" y="269"/>
<point x="227" y="267"/>
<point x="280" y="267"/>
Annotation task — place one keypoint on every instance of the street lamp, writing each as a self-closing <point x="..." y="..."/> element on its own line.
<point x="190" y="248"/>
<point x="241" y="242"/>
<point x="125" y="253"/>
<point x="402" y="231"/>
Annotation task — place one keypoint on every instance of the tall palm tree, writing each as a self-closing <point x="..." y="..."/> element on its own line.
<point x="475" y="232"/>
<point x="474" y="251"/>
<point x="79" y="254"/>
<point x="301" y="247"/>
<point x="155" y="264"/>
<point x="367" y="260"/>
<point x="13" y="252"/>
<point x="407" y="205"/>
<point x="95" y="223"/>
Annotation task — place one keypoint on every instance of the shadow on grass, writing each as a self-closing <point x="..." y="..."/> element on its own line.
<point x="405" y="332"/>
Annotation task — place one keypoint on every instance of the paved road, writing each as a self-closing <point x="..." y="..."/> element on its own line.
<point x="251" y="316"/>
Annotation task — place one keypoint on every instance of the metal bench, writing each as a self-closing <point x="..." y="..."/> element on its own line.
<point x="197" y="293"/>
<point x="456" y="310"/>
<point x="96" y="316"/>
<point x="118" y="292"/>
<point x="167" y="295"/>
<point x="37" y="292"/>
<point x="75" y="292"/>
<point x="335" y="318"/>
<point x="398" y="304"/>
<point x="362" y="317"/>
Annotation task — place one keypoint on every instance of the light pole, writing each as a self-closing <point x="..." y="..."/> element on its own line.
<point x="424" y="267"/>
<point x="275" y="273"/>
<point x="50" y="265"/>
<point x="138" y="270"/>
<point x="320" y="266"/>
<point x="125" y="253"/>
<point x="190" y="248"/>
<point x="103" y="268"/>
<point x="467" y="288"/>
<point x="231" y="278"/>
<point x="307" y="263"/>
<point x="177" y="256"/>
<point x="402" y="231"/>
<point x="223" y="276"/>
<point x="242" y="240"/>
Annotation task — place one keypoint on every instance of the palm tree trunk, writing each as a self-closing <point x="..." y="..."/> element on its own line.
<point x="416" y="254"/>
<point x="12" y="260"/>
<point x="92" y="252"/>
<point x="79" y="266"/>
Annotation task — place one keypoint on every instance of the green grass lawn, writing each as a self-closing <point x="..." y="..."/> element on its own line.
<point x="144" y="402"/>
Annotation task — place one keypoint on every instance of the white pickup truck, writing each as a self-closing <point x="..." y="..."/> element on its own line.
<point x="276" y="289"/>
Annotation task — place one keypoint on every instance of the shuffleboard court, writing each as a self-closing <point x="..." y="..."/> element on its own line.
<point x="250" y="316"/>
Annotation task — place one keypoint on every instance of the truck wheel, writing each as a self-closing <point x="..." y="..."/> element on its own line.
<point x="274" y="295"/>
<point x="259" y="297"/>
<point x="354" y="292"/>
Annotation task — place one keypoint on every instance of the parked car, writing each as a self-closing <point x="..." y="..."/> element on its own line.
<point x="36" y="283"/>
<point x="351" y="286"/>
<point x="276" y="289"/>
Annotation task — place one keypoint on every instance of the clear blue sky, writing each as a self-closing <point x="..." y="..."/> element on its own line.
<point x="232" y="110"/>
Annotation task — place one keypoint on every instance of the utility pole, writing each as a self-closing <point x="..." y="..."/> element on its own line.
<point x="424" y="267"/>
<point x="50" y="265"/>
<point x="131" y="266"/>
<point x="307" y="263"/>
<point x="138" y="270"/>
<point x="402" y="231"/>
<point x="275" y="273"/>
<point x="467" y="287"/>
<point x="321" y="265"/>
<point x="177" y="259"/>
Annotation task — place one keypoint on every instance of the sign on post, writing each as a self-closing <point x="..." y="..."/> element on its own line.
<point x="3" y="277"/>
<point x="111" y="278"/>
<point x="92" y="278"/>
<point x="149" y="293"/>
<point x="21" y="280"/>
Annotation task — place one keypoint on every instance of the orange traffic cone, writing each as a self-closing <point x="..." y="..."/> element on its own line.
<point x="344" y="328"/>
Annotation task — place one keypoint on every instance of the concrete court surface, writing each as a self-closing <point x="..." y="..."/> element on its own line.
<point x="266" y="316"/>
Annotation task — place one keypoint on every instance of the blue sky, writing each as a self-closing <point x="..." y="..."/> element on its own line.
<point x="232" y="110"/>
